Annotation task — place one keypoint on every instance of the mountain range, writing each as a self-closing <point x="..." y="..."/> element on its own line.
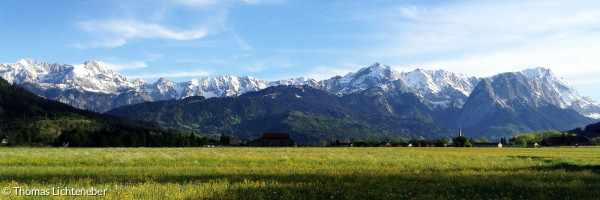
<point x="504" y="104"/>
<point x="307" y="113"/>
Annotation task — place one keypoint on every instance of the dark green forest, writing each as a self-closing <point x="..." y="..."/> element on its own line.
<point x="29" y="120"/>
<point x="592" y="130"/>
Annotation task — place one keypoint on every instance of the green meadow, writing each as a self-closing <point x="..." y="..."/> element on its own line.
<point x="305" y="173"/>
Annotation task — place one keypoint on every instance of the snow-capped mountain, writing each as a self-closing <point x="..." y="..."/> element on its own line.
<point x="223" y="86"/>
<point x="511" y="103"/>
<point x="91" y="76"/>
<point x="539" y="87"/>
<point x="435" y="88"/>
<point x="443" y="89"/>
<point x="376" y="75"/>
<point x="94" y="86"/>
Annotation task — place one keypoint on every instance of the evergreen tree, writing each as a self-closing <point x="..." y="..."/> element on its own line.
<point x="322" y="143"/>
<point x="224" y="139"/>
<point x="102" y="141"/>
<point x="483" y="139"/>
<point x="503" y="141"/>
<point x="202" y="141"/>
<point x="441" y="142"/>
<point x="461" y="141"/>
<point x="193" y="140"/>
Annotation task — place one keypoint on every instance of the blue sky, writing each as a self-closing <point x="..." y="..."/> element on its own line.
<point x="279" y="39"/>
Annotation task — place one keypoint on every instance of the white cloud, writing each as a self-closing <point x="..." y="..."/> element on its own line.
<point x="413" y="30"/>
<point x="195" y="2"/>
<point x="209" y="18"/>
<point x="412" y="12"/>
<point x="241" y="42"/>
<point x="104" y="43"/>
<point x="118" y="31"/>
<point x="214" y="2"/>
<point x="256" y="67"/>
<point x="262" y="1"/>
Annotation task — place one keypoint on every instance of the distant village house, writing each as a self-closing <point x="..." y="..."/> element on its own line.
<point x="533" y="145"/>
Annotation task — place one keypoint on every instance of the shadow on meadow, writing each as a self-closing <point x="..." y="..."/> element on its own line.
<point x="572" y="167"/>
<point x="427" y="185"/>
<point x="552" y="164"/>
<point x="551" y="181"/>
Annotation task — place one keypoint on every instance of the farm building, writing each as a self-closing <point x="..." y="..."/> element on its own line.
<point x="493" y="144"/>
<point x="272" y="140"/>
<point x="346" y="144"/>
<point x="532" y="145"/>
<point x="566" y="141"/>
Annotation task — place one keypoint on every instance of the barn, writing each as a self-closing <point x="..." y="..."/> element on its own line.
<point x="492" y="144"/>
<point x="272" y="140"/>
<point x="566" y="141"/>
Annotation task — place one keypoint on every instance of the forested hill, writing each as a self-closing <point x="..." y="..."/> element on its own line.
<point x="592" y="130"/>
<point x="308" y="114"/>
<point x="27" y="119"/>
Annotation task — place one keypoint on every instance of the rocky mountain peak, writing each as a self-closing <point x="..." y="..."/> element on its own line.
<point x="26" y="62"/>
<point x="163" y="80"/>
<point x="139" y="81"/>
<point x="377" y="70"/>
<point x="97" y="67"/>
<point x="538" y="72"/>
<point x="378" y="66"/>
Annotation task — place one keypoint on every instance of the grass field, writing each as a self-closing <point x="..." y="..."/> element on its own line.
<point x="306" y="173"/>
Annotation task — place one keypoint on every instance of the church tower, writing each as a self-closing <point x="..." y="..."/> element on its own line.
<point x="459" y="132"/>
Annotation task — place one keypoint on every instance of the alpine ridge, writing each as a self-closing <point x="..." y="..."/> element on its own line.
<point x="94" y="86"/>
<point x="499" y="106"/>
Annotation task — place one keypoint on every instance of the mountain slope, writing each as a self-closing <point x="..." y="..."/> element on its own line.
<point x="510" y="106"/>
<point x="590" y="131"/>
<point x="309" y="114"/>
<point x="27" y="118"/>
